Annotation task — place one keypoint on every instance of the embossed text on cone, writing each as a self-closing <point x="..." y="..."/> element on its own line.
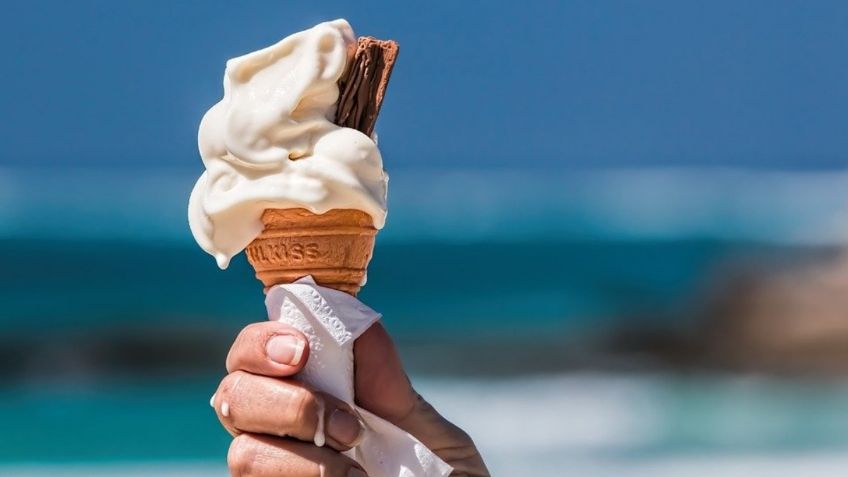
<point x="334" y="248"/>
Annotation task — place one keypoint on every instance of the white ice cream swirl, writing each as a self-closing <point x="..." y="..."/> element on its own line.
<point x="270" y="143"/>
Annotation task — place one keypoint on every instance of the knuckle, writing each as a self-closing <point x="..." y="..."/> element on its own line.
<point x="246" y="336"/>
<point x="254" y="329"/>
<point x="303" y="407"/>
<point x="228" y="390"/>
<point x="230" y="363"/>
<point x="241" y="456"/>
<point x="465" y="438"/>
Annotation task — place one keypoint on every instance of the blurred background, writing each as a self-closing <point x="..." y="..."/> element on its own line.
<point x="614" y="247"/>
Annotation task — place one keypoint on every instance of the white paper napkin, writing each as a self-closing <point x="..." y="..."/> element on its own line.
<point x="332" y="320"/>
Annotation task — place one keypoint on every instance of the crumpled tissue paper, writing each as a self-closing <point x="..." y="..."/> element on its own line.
<point x="332" y="320"/>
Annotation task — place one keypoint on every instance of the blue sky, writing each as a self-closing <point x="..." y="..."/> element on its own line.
<point x="479" y="84"/>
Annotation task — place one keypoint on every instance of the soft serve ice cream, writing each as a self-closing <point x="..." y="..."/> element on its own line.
<point x="271" y="143"/>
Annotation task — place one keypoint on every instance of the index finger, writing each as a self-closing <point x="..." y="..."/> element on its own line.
<point x="268" y="348"/>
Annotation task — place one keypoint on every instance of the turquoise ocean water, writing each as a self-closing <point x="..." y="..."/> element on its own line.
<point x="504" y="284"/>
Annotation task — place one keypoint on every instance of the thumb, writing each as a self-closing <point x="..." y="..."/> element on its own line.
<point x="381" y="384"/>
<point x="383" y="388"/>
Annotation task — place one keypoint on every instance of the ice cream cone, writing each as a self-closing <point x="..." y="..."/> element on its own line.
<point x="334" y="247"/>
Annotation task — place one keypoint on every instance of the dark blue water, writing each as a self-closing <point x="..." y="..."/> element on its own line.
<point x="89" y="308"/>
<point x="420" y="287"/>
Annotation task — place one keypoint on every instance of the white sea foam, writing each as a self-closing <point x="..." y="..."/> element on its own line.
<point x="616" y="426"/>
<point x="647" y="425"/>
<point x="772" y="206"/>
<point x="809" y="464"/>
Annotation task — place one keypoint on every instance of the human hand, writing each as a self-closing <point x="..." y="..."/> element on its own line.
<point x="273" y="418"/>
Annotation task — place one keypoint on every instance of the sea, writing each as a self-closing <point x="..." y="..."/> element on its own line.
<point x="503" y="288"/>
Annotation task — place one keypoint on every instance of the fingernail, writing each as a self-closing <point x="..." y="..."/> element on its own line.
<point x="354" y="472"/>
<point x="285" y="349"/>
<point x="212" y="401"/>
<point x="344" y="427"/>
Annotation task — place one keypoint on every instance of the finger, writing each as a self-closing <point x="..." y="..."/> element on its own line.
<point x="258" y="404"/>
<point x="265" y="456"/>
<point x="268" y="348"/>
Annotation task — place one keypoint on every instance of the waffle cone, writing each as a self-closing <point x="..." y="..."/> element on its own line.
<point x="334" y="247"/>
